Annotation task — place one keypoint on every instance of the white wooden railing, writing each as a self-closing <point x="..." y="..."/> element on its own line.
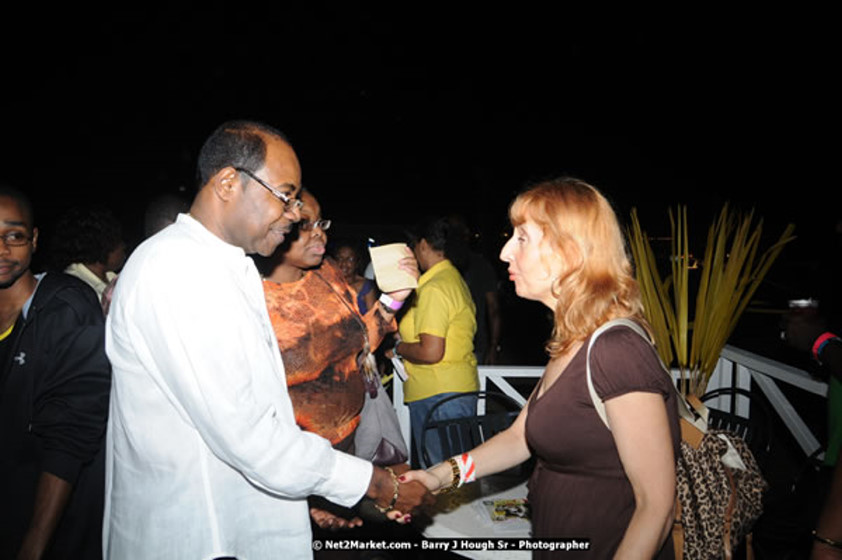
<point x="736" y="367"/>
<point x="750" y="368"/>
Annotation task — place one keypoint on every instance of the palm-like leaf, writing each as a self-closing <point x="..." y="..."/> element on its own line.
<point x="730" y="274"/>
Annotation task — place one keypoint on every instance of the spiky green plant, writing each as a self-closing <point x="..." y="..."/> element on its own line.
<point x="731" y="272"/>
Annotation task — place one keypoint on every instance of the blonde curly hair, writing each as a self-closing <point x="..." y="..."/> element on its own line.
<point x="597" y="282"/>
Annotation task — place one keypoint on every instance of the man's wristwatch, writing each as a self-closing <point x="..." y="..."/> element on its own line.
<point x="395" y="349"/>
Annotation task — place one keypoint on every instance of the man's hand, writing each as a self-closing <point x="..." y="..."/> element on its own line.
<point x="400" y="468"/>
<point x="331" y="522"/>
<point x="411" y="495"/>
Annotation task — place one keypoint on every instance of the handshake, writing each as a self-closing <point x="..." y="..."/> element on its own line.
<point x="392" y="492"/>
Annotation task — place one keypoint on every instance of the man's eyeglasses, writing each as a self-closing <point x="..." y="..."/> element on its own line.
<point x="18" y="238"/>
<point x="289" y="202"/>
<point x="309" y="225"/>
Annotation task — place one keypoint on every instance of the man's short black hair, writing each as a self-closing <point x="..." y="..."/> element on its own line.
<point x="237" y="143"/>
<point x="22" y="200"/>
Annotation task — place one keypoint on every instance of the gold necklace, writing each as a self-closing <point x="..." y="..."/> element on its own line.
<point x="368" y="367"/>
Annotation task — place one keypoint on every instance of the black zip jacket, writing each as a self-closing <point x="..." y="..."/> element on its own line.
<point x="54" y="392"/>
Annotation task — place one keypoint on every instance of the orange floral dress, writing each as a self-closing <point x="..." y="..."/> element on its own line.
<point x="323" y="338"/>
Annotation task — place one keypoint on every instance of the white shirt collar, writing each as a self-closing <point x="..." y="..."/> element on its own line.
<point x="28" y="303"/>
<point x="198" y="229"/>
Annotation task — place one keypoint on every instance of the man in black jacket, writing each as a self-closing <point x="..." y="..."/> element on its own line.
<point x="54" y="388"/>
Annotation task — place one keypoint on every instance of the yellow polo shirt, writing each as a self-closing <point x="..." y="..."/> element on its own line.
<point x="442" y="307"/>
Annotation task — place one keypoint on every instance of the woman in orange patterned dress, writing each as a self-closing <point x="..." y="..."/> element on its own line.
<point x="324" y="339"/>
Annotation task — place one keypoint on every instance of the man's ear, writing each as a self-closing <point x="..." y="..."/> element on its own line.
<point x="226" y="183"/>
<point x="34" y="239"/>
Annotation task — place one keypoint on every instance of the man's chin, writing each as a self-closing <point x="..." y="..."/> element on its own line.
<point x="8" y="282"/>
<point x="268" y="248"/>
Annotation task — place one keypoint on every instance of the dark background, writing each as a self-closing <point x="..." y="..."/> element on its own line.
<point x="400" y="112"/>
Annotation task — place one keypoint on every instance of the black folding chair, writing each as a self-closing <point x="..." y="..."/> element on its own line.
<point x="458" y="435"/>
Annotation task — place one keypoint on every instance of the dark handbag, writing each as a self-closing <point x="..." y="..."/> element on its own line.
<point x="378" y="438"/>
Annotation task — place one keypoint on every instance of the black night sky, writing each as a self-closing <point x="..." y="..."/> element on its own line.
<point x="398" y="112"/>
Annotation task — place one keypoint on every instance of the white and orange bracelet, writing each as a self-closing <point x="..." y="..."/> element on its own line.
<point x="467" y="469"/>
<point x="462" y="470"/>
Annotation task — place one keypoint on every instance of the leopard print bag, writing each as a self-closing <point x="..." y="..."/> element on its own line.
<point x="719" y="490"/>
<point x="719" y="486"/>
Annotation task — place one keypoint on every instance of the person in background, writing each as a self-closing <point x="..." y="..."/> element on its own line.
<point x="204" y="458"/>
<point x="481" y="279"/>
<point x="88" y="244"/>
<point x="54" y="384"/>
<point x="436" y="337"/>
<point x="614" y="486"/>
<point x="161" y="211"/>
<point x="325" y="339"/>
<point x="347" y="258"/>
<point x="809" y="332"/>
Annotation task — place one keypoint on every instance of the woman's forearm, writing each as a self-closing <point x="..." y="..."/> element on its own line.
<point x="428" y="350"/>
<point x="379" y="322"/>
<point x="640" y="428"/>
<point x="648" y="529"/>
<point x="504" y="451"/>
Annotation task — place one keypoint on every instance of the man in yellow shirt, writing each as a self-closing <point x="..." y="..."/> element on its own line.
<point x="436" y="338"/>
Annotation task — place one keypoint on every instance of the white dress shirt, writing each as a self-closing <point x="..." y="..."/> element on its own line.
<point x="204" y="458"/>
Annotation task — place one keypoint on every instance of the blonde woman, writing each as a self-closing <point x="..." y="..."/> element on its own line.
<point x="614" y="486"/>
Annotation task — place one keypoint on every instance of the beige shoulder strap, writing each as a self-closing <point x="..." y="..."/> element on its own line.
<point x="684" y="411"/>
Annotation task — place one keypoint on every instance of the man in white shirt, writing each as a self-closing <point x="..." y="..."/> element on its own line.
<point x="204" y="458"/>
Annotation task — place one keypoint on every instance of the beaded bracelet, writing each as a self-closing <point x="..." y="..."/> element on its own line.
<point x="391" y="506"/>
<point x="455" y="480"/>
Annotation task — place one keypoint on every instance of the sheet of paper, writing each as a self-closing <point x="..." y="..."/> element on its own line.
<point x="389" y="277"/>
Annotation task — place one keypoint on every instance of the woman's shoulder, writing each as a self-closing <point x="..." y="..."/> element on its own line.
<point x="447" y="280"/>
<point x="622" y="361"/>
<point x="619" y="338"/>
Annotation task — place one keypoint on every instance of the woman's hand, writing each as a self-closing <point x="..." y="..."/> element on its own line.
<point x="409" y="265"/>
<point x="390" y="353"/>
<point x="427" y="478"/>
<point x="411" y="495"/>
